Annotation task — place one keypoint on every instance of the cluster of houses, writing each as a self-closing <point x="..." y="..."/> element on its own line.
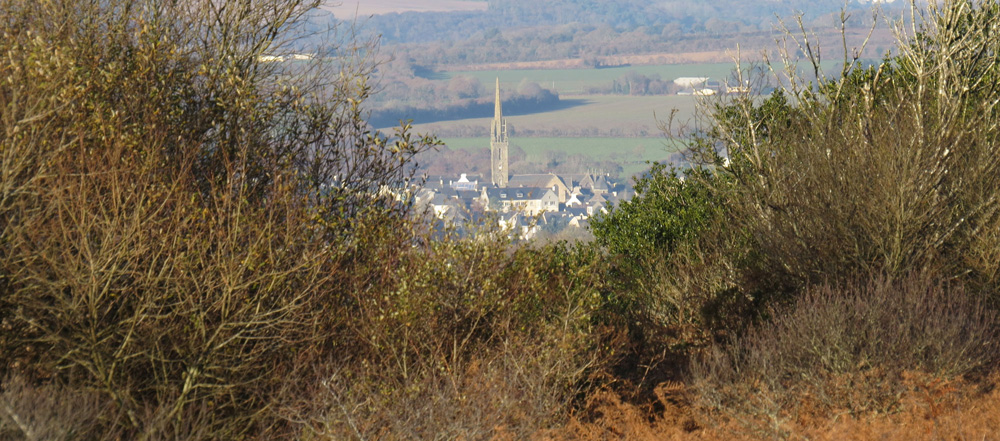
<point x="527" y="204"/>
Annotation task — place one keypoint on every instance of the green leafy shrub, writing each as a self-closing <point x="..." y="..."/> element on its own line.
<point x="670" y="207"/>
<point x="657" y="239"/>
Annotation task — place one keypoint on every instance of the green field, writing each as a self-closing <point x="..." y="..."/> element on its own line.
<point x="620" y="128"/>
<point x="584" y="116"/>
<point x="577" y="81"/>
<point x="631" y="153"/>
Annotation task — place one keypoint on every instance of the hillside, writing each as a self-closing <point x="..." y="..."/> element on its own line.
<point x="346" y="10"/>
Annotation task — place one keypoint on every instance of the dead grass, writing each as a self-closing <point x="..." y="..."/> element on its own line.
<point x="607" y="416"/>
<point x="933" y="409"/>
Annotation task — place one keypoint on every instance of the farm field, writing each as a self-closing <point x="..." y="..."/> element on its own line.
<point x="581" y="116"/>
<point x="578" y="81"/>
<point x="631" y="153"/>
<point x="619" y="128"/>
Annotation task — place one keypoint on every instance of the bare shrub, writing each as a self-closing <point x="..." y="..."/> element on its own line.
<point x="175" y="210"/>
<point x="846" y="349"/>
<point x="462" y="339"/>
<point x="513" y="391"/>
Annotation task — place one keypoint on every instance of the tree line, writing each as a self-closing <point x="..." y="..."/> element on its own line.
<point x="461" y="97"/>
<point x="519" y="30"/>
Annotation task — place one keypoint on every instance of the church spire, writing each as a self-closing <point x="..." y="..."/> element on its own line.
<point x="498" y="144"/>
<point x="497" y="113"/>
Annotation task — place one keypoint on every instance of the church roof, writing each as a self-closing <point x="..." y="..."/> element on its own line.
<point x="540" y="180"/>
<point x="600" y="183"/>
<point x="517" y="194"/>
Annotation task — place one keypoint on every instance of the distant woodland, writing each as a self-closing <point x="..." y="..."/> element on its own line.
<point x="425" y="100"/>
<point x="663" y="18"/>
<point x="523" y="30"/>
<point x="415" y="44"/>
<point x="416" y="47"/>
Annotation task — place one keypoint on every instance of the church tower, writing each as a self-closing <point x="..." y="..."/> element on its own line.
<point x="498" y="145"/>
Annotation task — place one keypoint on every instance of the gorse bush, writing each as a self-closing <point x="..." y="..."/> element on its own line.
<point x="650" y="236"/>
<point x="831" y="238"/>
<point x="882" y="169"/>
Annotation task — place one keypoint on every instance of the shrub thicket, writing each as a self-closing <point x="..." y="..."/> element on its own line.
<point x="198" y="243"/>
<point x="210" y="245"/>
<point x="847" y="349"/>
<point x="887" y="168"/>
<point x="871" y="208"/>
<point x="883" y="169"/>
<point x="867" y="201"/>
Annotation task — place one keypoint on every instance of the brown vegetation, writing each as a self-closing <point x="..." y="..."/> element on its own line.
<point x="930" y="409"/>
<point x="197" y="244"/>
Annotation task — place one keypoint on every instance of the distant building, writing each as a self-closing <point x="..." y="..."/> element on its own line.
<point x="574" y="200"/>
<point x="463" y="183"/>
<point x="527" y="200"/>
<point x="542" y="181"/>
<point x="519" y="225"/>
<point x="699" y="86"/>
<point x="596" y="204"/>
